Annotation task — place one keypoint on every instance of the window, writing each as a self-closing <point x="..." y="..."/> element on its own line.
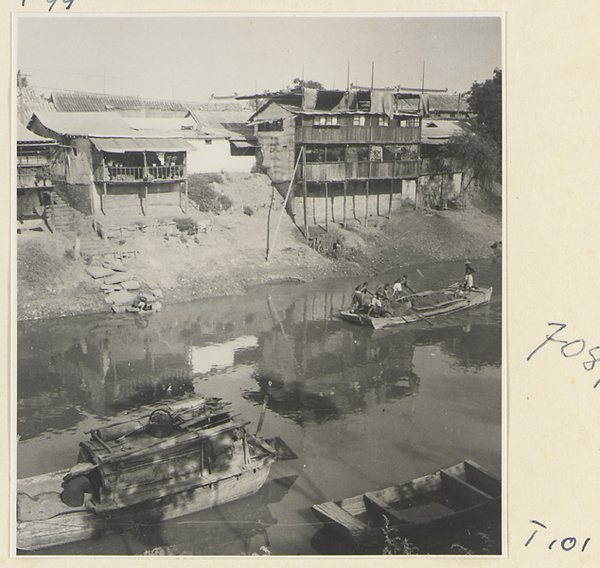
<point x="276" y="125"/>
<point x="326" y="121"/>
<point x="384" y="121"/>
<point x="409" y="123"/>
<point x="358" y="120"/>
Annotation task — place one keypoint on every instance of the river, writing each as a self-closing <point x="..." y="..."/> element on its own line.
<point x="362" y="409"/>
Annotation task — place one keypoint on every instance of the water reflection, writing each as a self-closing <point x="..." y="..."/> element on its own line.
<point x="362" y="409"/>
<point x="321" y="367"/>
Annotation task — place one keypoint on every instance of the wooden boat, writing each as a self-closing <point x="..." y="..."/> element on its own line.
<point x="459" y="493"/>
<point x="422" y="306"/>
<point x="172" y="461"/>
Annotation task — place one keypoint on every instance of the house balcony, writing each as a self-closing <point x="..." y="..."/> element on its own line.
<point x="341" y="171"/>
<point x="359" y="135"/>
<point x="140" y="174"/>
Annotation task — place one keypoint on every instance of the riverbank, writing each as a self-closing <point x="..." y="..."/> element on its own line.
<point x="209" y="254"/>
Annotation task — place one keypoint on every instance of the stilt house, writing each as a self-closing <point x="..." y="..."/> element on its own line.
<point x="355" y="147"/>
<point x="104" y="163"/>
<point x="34" y="186"/>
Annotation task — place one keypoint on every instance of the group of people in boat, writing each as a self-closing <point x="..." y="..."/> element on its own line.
<point x="380" y="303"/>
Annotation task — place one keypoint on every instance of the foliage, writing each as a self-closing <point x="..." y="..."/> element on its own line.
<point x="309" y="84"/>
<point x="394" y="545"/>
<point x="248" y="210"/>
<point x="201" y="191"/>
<point x="186" y="225"/>
<point x="485" y="100"/>
<point x="478" y="154"/>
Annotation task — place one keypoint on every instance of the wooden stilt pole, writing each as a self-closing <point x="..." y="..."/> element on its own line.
<point x="345" y="192"/>
<point x="326" y="205"/>
<point x="367" y="204"/>
<point x="333" y="208"/>
<point x="287" y="196"/>
<point x="391" y="197"/>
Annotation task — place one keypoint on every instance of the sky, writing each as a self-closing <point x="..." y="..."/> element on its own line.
<point x="191" y="57"/>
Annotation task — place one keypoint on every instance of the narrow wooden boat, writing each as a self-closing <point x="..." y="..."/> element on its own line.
<point x="459" y="493"/>
<point x="173" y="461"/>
<point x="422" y="306"/>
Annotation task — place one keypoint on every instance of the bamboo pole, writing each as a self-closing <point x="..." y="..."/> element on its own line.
<point x="391" y="197"/>
<point x="287" y="196"/>
<point x="305" y="193"/>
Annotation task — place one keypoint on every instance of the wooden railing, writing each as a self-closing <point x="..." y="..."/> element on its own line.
<point x="360" y="134"/>
<point x="122" y="174"/>
<point x="31" y="160"/>
<point x="340" y="171"/>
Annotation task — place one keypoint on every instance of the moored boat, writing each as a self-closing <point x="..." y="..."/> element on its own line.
<point x="172" y="461"/>
<point x="459" y="493"/>
<point x="419" y="307"/>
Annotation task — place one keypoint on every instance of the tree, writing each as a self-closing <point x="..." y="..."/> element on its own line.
<point x="478" y="154"/>
<point x="485" y="100"/>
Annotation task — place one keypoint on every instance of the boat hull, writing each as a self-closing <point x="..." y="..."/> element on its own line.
<point x="461" y="493"/>
<point x="471" y="299"/>
<point x="74" y="525"/>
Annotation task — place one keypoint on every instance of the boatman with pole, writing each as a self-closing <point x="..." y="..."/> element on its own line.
<point x="469" y="270"/>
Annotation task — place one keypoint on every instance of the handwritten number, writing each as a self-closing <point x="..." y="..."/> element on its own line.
<point x="549" y="338"/>
<point x="69" y="2"/>
<point x="51" y="2"/>
<point x="585" y="543"/>
<point x="589" y="365"/>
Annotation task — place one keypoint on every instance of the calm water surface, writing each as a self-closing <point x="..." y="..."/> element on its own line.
<point x="362" y="409"/>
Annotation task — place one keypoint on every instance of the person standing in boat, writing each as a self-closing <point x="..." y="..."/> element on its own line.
<point x="398" y="288"/>
<point x="469" y="271"/>
<point x="358" y="297"/>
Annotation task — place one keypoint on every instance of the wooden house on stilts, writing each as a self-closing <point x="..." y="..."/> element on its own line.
<point x="343" y="154"/>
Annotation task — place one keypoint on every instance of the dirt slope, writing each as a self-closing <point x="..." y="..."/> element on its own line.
<point x="230" y="255"/>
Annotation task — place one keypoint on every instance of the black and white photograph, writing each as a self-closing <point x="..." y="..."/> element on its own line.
<point x="259" y="282"/>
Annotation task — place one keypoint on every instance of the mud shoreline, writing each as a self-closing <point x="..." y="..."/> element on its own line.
<point x="230" y="257"/>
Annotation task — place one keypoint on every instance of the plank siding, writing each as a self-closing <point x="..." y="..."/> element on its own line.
<point x="359" y="135"/>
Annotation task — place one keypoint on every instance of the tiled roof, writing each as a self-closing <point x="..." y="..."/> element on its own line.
<point x="30" y="101"/>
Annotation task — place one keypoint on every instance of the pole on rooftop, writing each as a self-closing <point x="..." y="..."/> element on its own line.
<point x="372" y="74"/>
<point x="348" y="78"/>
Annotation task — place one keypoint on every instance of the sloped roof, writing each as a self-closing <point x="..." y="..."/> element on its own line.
<point x="181" y="127"/>
<point x="86" y="123"/>
<point x="30" y="101"/>
<point x="222" y="123"/>
<point x="72" y="101"/>
<point x="120" y="145"/>
<point x="439" y="131"/>
<point x="25" y="136"/>
<point x="446" y="102"/>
